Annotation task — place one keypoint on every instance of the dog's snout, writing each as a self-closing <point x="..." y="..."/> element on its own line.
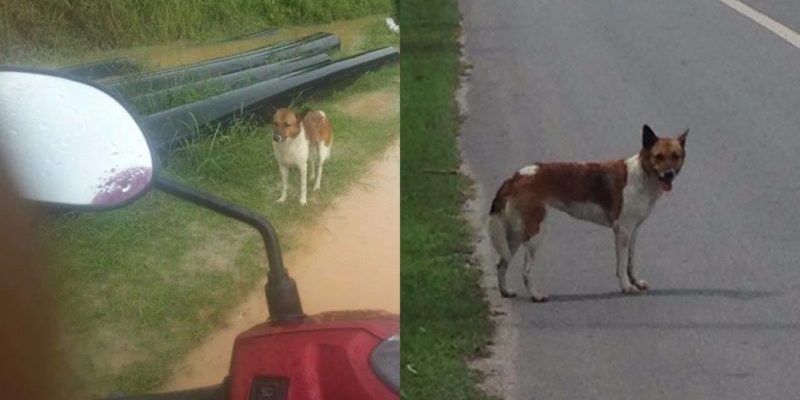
<point x="277" y="137"/>
<point x="669" y="175"/>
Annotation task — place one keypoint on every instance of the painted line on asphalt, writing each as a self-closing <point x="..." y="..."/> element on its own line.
<point x="774" y="26"/>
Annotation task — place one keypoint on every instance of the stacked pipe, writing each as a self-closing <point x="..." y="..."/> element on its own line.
<point x="311" y="45"/>
<point x="184" y="122"/>
<point x="273" y="75"/>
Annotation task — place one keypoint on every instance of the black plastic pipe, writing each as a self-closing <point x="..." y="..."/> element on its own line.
<point x="181" y="123"/>
<point x="239" y="79"/>
<point x="311" y="45"/>
<point x="266" y="48"/>
<point x="103" y="68"/>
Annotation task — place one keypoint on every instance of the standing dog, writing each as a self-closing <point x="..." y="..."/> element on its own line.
<point x="618" y="194"/>
<point x="299" y="140"/>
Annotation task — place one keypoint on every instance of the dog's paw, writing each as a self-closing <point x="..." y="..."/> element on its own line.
<point x="540" y="299"/>
<point x="630" y="289"/>
<point x="281" y="199"/>
<point x="316" y="188"/>
<point x="303" y="202"/>
<point x="508" y="293"/>
<point x="641" y="284"/>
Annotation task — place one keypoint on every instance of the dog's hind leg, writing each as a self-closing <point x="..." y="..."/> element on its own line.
<point x="324" y="152"/>
<point x="530" y="254"/>
<point x="499" y="235"/>
<point x="303" y="183"/>
<point x="640" y="284"/>
<point x="312" y="164"/>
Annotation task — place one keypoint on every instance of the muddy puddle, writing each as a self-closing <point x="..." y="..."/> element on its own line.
<point x="351" y="260"/>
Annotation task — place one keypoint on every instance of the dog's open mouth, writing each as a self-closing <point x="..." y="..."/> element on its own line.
<point x="666" y="182"/>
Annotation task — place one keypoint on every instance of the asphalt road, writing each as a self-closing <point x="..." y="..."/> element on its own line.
<point x="575" y="80"/>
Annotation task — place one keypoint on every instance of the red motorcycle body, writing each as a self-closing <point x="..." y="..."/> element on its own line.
<point x="322" y="357"/>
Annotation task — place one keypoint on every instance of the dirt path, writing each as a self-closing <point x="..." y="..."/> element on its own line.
<point x="354" y="263"/>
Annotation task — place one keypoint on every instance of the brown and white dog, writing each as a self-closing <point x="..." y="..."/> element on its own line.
<point x="300" y="139"/>
<point x="617" y="194"/>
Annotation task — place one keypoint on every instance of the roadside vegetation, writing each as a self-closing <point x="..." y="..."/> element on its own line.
<point x="445" y="313"/>
<point x="52" y="29"/>
<point x="139" y="287"/>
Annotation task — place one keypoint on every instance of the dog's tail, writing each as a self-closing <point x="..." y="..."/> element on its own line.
<point x="501" y="197"/>
<point x="498" y="228"/>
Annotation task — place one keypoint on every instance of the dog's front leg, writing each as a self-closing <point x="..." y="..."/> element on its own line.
<point x="640" y="284"/>
<point x="284" y="182"/>
<point x="622" y="238"/>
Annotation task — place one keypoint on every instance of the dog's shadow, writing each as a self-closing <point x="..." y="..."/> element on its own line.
<point x="734" y="294"/>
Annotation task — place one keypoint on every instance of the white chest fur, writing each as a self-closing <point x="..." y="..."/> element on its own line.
<point x="292" y="151"/>
<point x="638" y="196"/>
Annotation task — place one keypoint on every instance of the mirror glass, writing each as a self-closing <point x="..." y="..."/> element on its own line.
<point x="70" y="143"/>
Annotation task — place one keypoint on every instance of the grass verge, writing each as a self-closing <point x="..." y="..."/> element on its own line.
<point x="140" y="286"/>
<point x="445" y="313"/>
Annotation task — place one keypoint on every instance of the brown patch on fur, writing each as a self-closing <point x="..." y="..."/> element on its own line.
<point x="286" y="123"/>
<point x="567" y="183"/>
<point x="318" y="127"/>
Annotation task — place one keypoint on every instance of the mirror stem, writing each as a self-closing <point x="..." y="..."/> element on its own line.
<point x="283" y="299"/>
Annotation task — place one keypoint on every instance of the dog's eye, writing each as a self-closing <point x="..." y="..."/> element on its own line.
<point x="659" y="157"/>
<point x="675" y="156"/>
<point x="286" y="124"/>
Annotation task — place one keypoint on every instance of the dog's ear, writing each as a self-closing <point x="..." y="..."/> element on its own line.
<point x="682" y="138"/>
<point x="648" y="137"/>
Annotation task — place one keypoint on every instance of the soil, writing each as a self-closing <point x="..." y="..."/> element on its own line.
<point x="381" y="104"/>
<point x="351" y="261"/>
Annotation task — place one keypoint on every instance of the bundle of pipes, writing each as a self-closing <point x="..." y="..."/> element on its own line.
<point x="311" y="45"/>
<point x="184" y="122"/>
<point x="102" y="69"/>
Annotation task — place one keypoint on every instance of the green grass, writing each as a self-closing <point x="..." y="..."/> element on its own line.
<point x="445" y="313"/>
<point x="141" y="286"/>
<point x="47" y="29"/>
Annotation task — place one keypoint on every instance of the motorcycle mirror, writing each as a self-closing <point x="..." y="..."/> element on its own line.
<point x="70" y="143"/>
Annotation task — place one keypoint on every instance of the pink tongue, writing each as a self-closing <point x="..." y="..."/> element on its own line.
<point x="666" y="186"/>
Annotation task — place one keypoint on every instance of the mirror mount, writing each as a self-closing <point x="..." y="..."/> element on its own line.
<point x="283" y="299"/>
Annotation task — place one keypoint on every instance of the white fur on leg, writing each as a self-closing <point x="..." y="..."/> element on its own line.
<point x="312" y="165"/>
<point x="303" y="184"/>
<point x="640" y="284"/>
<point x="284" y="182"/>
<point x="530" y="256"/>
<point x="497" y="234"/>
<point x="324" y="153"/>
<point x="622" y="243"/>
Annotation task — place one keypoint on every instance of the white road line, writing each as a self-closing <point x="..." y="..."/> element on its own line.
<point x="765" y="21"/>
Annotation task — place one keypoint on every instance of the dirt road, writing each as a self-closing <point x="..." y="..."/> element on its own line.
<point x="353" y="263"/>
